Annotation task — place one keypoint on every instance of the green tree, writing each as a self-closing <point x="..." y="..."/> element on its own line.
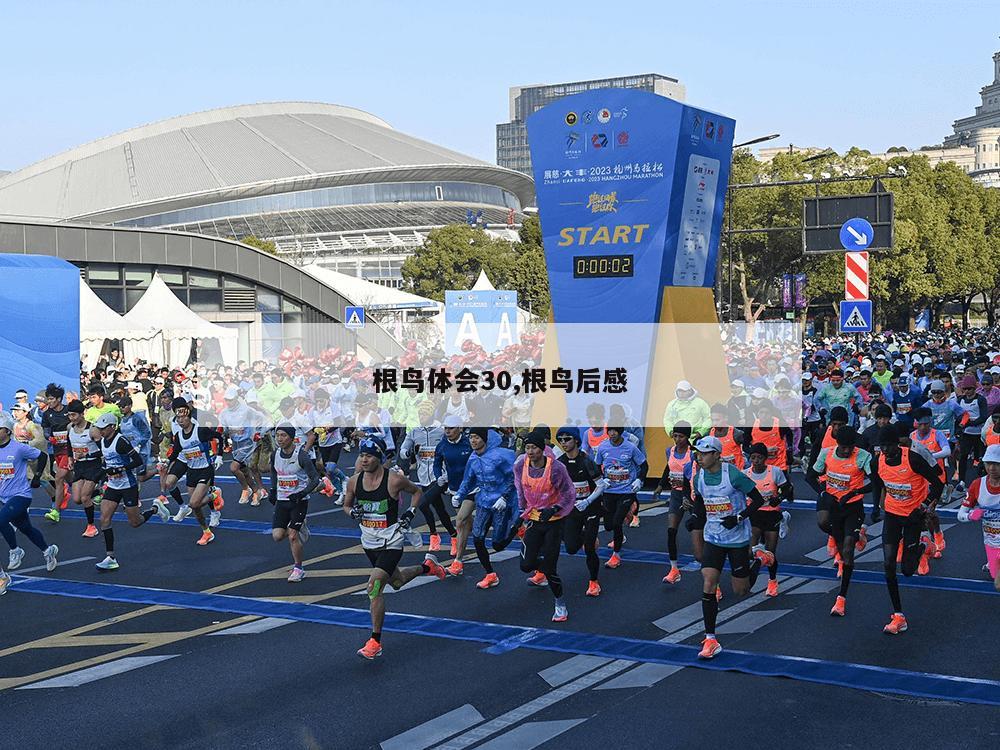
<point x="265" y="246"/>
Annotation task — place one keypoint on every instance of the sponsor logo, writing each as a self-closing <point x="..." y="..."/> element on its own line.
<point x="599" y="140"/>
<point x="719" y="130"/>
<point x="602" y="203"/>
<point x="603" y="115"/>
<point x="710" y="129"/>
<point x="622" y="138"/>
<point x="588" y="117"/>
<point x="571" y="118"/>
<point x="622" y="113"/>
<point x="696" y="127"/>
<point x="624" y="234"/>
<point x="571" y="139"/>
<point x="574" y="145"/>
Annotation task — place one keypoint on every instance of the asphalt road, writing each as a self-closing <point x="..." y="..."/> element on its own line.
<point x="95" y="660"/>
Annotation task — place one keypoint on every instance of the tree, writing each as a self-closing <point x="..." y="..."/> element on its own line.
<point x="265" y="246"/>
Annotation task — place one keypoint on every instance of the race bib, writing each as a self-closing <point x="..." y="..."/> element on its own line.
<point x="582" y="488"/>
<point x="904" y="407"/>
<point x="618" y="476"/>
<point x="898" y="490"/>
<point x="288" y="485"/>
<point x="772" y="451"/>
<point x="837" y="481"/>
<point x="718" y="507"/>
<point x="192" y="454"/>
<point x="80" y="453"/>
<point x="677" y="480"/>
<point x="61" y="437"/>
<point x="6" y="470"/>
<point x="425" y="454"/>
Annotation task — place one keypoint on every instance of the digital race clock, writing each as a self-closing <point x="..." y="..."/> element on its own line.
<point x="602" y="266"/>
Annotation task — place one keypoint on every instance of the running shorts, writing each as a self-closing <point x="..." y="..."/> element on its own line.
<point x="289" y="514"/>
<point x="714" y="556"/>
<point x="88" y="471"/>
<point x="129" y="496"/>
<point x="766" y="520"/>
<point x="385" y="559"/>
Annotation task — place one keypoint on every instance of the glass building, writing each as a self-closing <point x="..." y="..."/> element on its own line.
<point x="512" y="138"/>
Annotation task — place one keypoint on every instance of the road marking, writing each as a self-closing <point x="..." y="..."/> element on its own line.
<point x="324" y="512"/>
<point x="530" y="735"/>
<point x="439" y="728"/>
<point x="570" y="669"/>
<point x="92" y="674"/>
<point x="752" y="621"/>
<point x="62" y="563"/>
<point x="256" y="626"/>
<point x="818" y="586"/>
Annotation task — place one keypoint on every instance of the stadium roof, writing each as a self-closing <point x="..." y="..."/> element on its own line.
<point x="233" y="152"/>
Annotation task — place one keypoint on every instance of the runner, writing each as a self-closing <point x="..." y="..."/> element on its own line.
<point x="191" y="458"/>
<point x="732" y="439"/>
<point x="85" y="464"/>
<point x="911" y="487"/>
<point x="677" y="476"/>
<point x="625" y="468"/>
<point x="581" y="527"/>
<point x="774" y="486"/>
<point x="120" y="461"/>
<point x="976" y="414"/>
<point x="15" y="497"/>
<point x="330" y="442"/>
<point x="421" y="444"/>
<point x="490" y="468"/>
<point x="55" y="426"/>
<point x="30" y="433"/>
<point x="721" y="492"/>
<point x="96" y="394"/>
<point x="240" y="424"/>
<point x="372" y="499"/>
<point x="597" y="432"/>
<point x="940" y="449"/>
<point x="840" y="510"/>
<point x="293" y="477"/>
<point x="983" y="504"/>
<point x="546" y="496"/>
<point x="134" y="427"/>
<point x="451" y="456"/>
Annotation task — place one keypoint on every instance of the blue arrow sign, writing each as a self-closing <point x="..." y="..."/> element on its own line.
<point x="354" y="317"/>
<point x="856" y="234"/>
<point x="856" y="316"/>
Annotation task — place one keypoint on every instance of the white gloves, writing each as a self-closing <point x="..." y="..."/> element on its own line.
<point x="599" y="486"/>
<point x="636" y="485"/>
<point x="218" y="462"/>
<point x="963" y="513"/>
<point x="442" y="480"/>
<point x="456" y="501"/>
<point x="500" y="505"/>
<point x="582" y="503"/>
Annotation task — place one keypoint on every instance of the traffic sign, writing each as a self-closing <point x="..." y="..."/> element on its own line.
<point x="354" y="317"/>
<point x="856" y="234"/>
<point x="855" y="276"/>
<point x="856" y="316"/>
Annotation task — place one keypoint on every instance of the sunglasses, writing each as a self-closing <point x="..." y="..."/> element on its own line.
<point x="567" y="438"/>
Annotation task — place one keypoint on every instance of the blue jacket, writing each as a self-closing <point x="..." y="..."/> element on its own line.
<point x="492" y="472"/>
<point x="452" y="457"/>
<point x="135" y="429"/>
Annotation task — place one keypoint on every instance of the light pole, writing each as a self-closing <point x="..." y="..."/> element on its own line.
<point x="729" y="220"/>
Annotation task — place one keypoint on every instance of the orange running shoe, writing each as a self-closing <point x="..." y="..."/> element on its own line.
<point x="862" y="542"/>
<point x="772" y="587"/>
<point x="456" y="568"/>
<point x="614" y="561"/>
<point x="434" y="568"/>
<point x="831" y="546"/>
<point x="766" y="557"/>
<point x="839" y="607"/>
<point x="371" y="649"/>
<point x="710" y="648"/>
<point x="435" y="544"/>
<point x="520" y="532"/>
<point x="90" y="532"/>
<point x="207" y="537"/>
<point x="673" y="576"/>
<point x="327" y="488"/>
<point x="538" y="579"/>
<point x="718" y="593"/>
<point x="244" y="497"/>
<point x="593" y="589"/>
<point x="939" y="543"/>
<point x="924" y="566"/>
<point x="896" y="625"/>
<point x="218" y="503"/>
<point x="489" y="581"/>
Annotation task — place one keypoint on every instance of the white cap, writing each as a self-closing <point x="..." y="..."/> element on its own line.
<point x="134" y="385"/>
<point x="759" y="393"/>
<point x="737" y="383"/>
<point x="158" y="380"/>
<point x="451" y="421"/>
<point x="995" y="369"/>
<point x="6" y="421"/>
<point x="992" y="454"/>
<point x="684" y="386"/>
<point x="298" y="393"/>
<point x="251" y="397"/>
<point x="707" y="444"/>
<point x="107" y="419"/>
<point x="897" y="363"/>
<point x="807" y="375"/>
<point x="232" y="392"/>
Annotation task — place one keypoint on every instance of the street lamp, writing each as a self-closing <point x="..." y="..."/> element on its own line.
<point x="752" y="141"/>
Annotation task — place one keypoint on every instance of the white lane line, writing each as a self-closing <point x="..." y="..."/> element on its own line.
<point x="324" y="512"/>
<point x="92" y="674"/>
<point x="530" y="735"/>
<point x="570" y="669"/>
<point x="62" y="563"/>
<point x="439" y="728"/>
<point x="257" y="626"/>
<point x="752" y="621"/>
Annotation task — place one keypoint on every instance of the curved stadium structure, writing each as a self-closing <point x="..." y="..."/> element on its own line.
<point x="324" y="182"/>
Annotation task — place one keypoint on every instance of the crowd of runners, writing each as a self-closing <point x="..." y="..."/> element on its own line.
<point x="908" y="421"/>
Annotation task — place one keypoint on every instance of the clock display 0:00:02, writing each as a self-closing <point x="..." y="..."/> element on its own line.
<point x="603" y="266"/>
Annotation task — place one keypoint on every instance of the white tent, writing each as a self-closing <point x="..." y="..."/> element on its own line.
<point x="159" y="307"/>
<point x="98" y="323"/>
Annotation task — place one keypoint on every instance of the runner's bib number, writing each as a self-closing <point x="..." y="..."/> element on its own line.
<point x="582" y="489"/>
<point x="6" y="470"/>
<point x="192" y="455"/>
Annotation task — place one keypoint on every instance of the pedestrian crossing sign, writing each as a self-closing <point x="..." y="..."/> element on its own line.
<point x="856" y="316"/>
<point x="354" y="317"/>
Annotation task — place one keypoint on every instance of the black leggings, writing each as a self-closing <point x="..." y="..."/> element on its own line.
<point x="433" y="500"/>
<point x="616" y="507"/>
<point x="580" y="530"/>
<point x="967" y="444"/>
<point x="540" y="551"/>
<point x="894" y="529"/>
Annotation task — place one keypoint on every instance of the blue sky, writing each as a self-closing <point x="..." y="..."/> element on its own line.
<point x="874" y="74"/>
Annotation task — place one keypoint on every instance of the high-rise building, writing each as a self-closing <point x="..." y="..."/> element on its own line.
<point x="512" y="137"/>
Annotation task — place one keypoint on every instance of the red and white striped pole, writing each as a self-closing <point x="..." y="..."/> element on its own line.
<point x="855" y="276"/>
